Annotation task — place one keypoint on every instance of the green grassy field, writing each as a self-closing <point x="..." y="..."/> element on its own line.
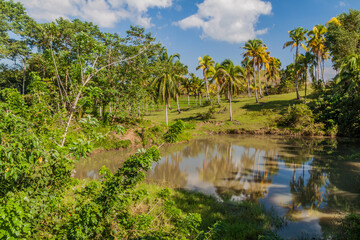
<point x="247" y="114"/>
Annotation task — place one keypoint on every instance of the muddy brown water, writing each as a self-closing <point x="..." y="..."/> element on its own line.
<point x="310" y="181"/>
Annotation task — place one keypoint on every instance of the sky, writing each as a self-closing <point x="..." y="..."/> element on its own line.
<point x="218" y="28"/>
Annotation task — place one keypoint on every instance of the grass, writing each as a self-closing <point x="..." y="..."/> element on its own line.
<point x="247" y="114"/>
<point x="239" y="220"/>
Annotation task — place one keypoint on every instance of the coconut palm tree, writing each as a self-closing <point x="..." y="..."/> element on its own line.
<point x="206" y="64"/>
<point x="274" y="68"/>
<point x="253" y="52"/>
<point x="232" y="76"/>
<point x="197" y="86"/>
<point x="316" y="44"/>
<point x="298" y="36"/>
<point x="165" y="83"/>
<point x="218" y="81"/>
<point x="246" y="65"/>
<point x="304" y="62"/>
<point x="186" y="83"/>
<point x="180" y="71"/>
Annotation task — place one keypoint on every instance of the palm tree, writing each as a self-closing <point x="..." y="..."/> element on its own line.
<point x="274" y="68"/>
<point x="218" y="81"/>
<point x="165" y="83"/>
<point x="316" y="44"/>
<point x="197" y="86"/>
<point x="297" y="35"/>
<point x="254" y="50"/>
<point x="304" y="62"/>
<point x="231" y="75"/>
<point x="206" y="64"/>
<point x="266" y="63"/>
<point x="246" y="64"/>
<point x="180" y="70"/>
<point x="187" y="84"/>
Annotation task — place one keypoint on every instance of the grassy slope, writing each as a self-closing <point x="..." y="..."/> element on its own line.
<point x="246" y="113"/>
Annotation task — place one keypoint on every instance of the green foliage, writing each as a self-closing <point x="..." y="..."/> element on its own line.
<point x="174" y="132"/>
<point x="300" y="119"/>
<point x="349" y="228"/>
<point x="207" y="115"/>
<point x="343" y="39"/>
<point x="152" y="135"/>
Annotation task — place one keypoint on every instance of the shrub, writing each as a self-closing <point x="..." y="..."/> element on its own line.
<point x="174" y="132"/>
<point x="299" y="118"/>
<point x="349" y="228"/>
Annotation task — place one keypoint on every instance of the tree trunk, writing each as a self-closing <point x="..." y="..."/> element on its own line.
<point x="256" y="96"/>
<point x="166" y="113"/>
<point x="200" y="99"/>
<point x="177" y="103"/>
<point x="266" y="85"/>
<point x="218" y="94"/>
<point x="323" y="70"/>
<point x="249" y="86"/>
<point x="189" y="100"/>
<point x="229" y="91"/>
<point x="259" y="82"/>
<point x="207" y="86"/>
<point x="296" y="76"/>
<point x="305" y="85"/>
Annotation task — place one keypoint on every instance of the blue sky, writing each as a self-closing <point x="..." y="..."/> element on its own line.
<point x="218" y="28"/>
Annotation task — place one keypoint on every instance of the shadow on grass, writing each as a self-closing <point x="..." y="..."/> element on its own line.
<point x="276" y="105"/>
<point x="244" y="220"/>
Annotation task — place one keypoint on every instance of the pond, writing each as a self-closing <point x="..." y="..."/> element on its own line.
<point x="310" y="181"/>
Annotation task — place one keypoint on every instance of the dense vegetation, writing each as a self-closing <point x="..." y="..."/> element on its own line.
<point x="66" y="88"/>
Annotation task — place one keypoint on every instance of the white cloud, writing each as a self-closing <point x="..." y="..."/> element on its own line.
<point x="105" y="13"/>
<point x="342" y="4"/>
<point x="228" y="20"/>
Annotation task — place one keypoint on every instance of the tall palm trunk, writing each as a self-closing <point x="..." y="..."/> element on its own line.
<point x="259" y="82"/>
<point x="188" y="99"/>
<point x="207" y="86"/>
<point x="296" y="75"/>
<point x="166" y="112"/>
<point x="323" y="70"/>
<point x="266" y="85"/>
<point x="229" y="93"/>
<point x="256" y="96"/>
<point x="305" y="83"/>
<point x="218" y="94"/>
<point x="248" y="85"/>
<point x="177" y="103"/>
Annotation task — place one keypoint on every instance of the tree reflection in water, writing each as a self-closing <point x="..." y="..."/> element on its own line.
<point x="307" y="178"/>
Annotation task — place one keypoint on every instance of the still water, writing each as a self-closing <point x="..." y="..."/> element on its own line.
<point x="311" y="182"/>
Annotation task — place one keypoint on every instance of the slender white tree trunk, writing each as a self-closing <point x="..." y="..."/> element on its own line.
<point x="259" y="82"/>
<point x="177" y="103"/>
<point x="166" y="114"/>
<point x="256" y="95"/>
<point x="249" y="86"/>
<point x="229" y="90"/>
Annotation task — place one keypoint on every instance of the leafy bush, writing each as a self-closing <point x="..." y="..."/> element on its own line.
<point x="299" y="118"/>
<point x="207" y="115"/>
<point x="174" y="132"/>
<point x="150" y="135"/>
<point x="349" y="228"/>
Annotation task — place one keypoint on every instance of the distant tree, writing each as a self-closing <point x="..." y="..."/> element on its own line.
<point x="206" y="64"/>
<point x="232" y="76"/>
<point x="298" y="36"/>
<point x="165" y="83"/>
<point x="254" y="51"/>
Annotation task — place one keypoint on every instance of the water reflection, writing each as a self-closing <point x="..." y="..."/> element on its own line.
<point x="308" y="180"/>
